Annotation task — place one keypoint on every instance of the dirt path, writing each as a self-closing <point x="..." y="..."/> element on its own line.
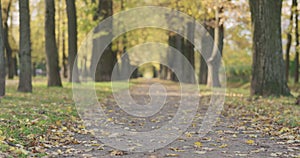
<point x="227" y="138"/>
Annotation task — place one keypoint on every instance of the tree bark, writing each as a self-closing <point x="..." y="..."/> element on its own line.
<point x="170" y="75"/>
<point x="72" y="41"/>
<point x="2" y="59"/>
<point x="106" y="63"/>
<point x="268" y="72"/>
<point x="297" y="43"/>
<point x="178" y="43"/>
<point x="189" y="75"/>
<point x="289" y="40"/>
<point x="214" y="62"/>
<point x="64" y="55"/>
<point x="14" y="56"/>
<point x="51" y="48"/>
<point x="203" y="74"/>
<point x="25" y="80"/>
<point x="287" y="55"/>
<point x="6" y="41"/>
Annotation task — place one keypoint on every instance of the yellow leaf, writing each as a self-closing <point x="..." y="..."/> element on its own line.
<point x="223" y="146"/>
<point x="198" y="144"/>
<point x="81" y="127"/>
<point x="1" y="132"/>
<point x="73" y="118"/>
<point x="250" y="142"/>
<point x="2" y="138"/>
<point x="64" y="128"/>
<point x="172" y="155"/>
<point x="189" y="135"/>
<point x="58" y="123"/>
<point x="176" y="149"/>
<point x="12" y="149"/>
<point x="21" y="151"/>
<point x="69" y="109"/>
<point x="110" y="119"/>
<point x="284" y="129"/>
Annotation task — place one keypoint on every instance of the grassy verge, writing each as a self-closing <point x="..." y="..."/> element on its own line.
<point x="29" y="121"/>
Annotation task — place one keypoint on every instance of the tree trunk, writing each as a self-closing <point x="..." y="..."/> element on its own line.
<point x="297" y="43"/>
<point x="14" y="56"/>
<point x="268" y="72"/>
<point x="176" y="61"/>
<point x="189" y="75"/>
<point x="51" y="48"/>
<point x="2" y="59"/>
<point x="6" y="41"/>
<point x="64" y="55"/>
<point x="170" y="58"/>
<point x="203" y="73"/>
<point x="25" y="79"/>
<point x="287" y="55"/>
<point x="105" y="64"/>
<point x="289" y="40"/>
<point x="214" y="62"/>
<point x="72" y="32"/>
<point x="33" y="69"/>
<point x="15" y="62"/>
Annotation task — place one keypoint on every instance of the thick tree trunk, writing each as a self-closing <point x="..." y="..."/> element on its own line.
<point x="203" y="74"/>
<point x="165" y="72"/>
<point x="268" y="72"/>
<point x="188" y="74"/>
<point x="2" y="59"/>
<point x="177" y="63"/>
<point x="214" y="62"/>
<point x="8" y="49"/>
<point x="51" y="48"/>
<point x="106" y="63"/>
<point x="297" y="43"/>
<point x="25" y="79"/>
<point x="72" y="32"/>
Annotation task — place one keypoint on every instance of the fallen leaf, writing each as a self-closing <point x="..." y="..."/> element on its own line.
<point x="117" y="153"/>
<point x="223" y="146"/>
<point x="198" y="144"/>
<point x="250" y="142"/>
<point x="200" y="152"/>
<point x="172" y="155"/>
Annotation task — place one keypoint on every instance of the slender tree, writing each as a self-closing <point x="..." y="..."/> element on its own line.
<point x="25" y="79"/>
<point x="8" y="49"/>
<point x="297" y="43"/>
<point x="2" y="59"/>
<point x="268" y="72"/>
<point x="289" y="40"/>
<point x="72" y="41"/>
<point x="51" y="48"/>
<point x="214" y="62"/>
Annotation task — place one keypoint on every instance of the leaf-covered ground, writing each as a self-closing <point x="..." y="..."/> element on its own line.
<point x="46" y="123"/>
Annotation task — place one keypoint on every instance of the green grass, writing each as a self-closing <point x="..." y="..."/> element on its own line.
<point x="27" y="116"/>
